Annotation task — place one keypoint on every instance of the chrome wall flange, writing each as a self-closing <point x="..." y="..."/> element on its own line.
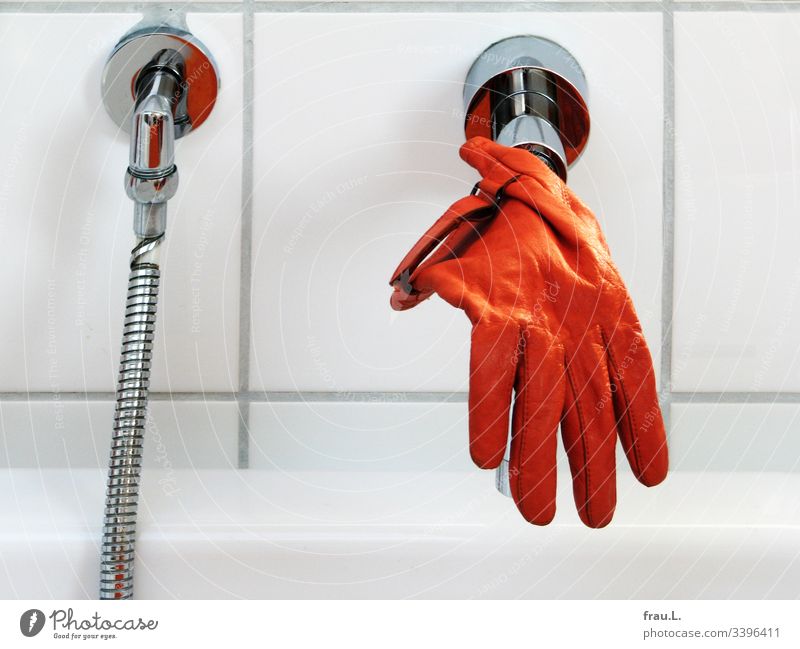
<point x="527" y="91"/>
<point x="198" y="82"/>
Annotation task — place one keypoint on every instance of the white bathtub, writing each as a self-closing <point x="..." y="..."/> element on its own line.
<point x="258" y="534"/>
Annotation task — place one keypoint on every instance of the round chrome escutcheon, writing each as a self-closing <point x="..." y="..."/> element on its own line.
<point x="533" y="76"/>
<point x="135" y="50"/>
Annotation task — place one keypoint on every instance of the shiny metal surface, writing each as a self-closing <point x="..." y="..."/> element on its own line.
<point x="199" y="82"/>
<point x="530" y="92"/>
<point x="125" y="463"/>
<point x="152" y="177"/>
<point x="501" y="478"/>
<point x="538" y="136"/>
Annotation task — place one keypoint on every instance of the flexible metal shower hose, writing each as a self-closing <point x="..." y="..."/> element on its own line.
<point x="125" y="464"/>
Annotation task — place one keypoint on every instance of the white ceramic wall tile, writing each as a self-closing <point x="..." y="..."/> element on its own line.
<point x="357" y="128"/>
<point x="737" y="280"/>
<point x="327" y="436"/>
<point x="735" y="437"/>
<point x="72" y="434"/>
<point x="66" y="222"/>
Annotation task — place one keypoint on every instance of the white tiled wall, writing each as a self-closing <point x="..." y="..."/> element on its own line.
<point x="737" y="277"/>
<point x="66" y="222"/>
<point x="357" y="127"/>
<point x="350" y="150"/>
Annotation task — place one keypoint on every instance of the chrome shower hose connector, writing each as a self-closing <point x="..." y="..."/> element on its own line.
<point x="152" y="177"/>
<point x="159" y="84"/>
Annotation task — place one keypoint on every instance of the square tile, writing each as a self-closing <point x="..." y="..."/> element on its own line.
<point x="735" y="437"/>
<point x="68" y="223"/>
<point x="357" y="128"/>
<point x="737" y="137"/>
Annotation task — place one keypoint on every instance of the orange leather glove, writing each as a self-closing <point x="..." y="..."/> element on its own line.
<point x="552" y="324"/>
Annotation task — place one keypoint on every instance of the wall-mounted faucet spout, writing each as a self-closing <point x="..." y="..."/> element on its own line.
<point x="152" y="177"/>
<point x="146" y="88"/>
<point x="529" y="92"/>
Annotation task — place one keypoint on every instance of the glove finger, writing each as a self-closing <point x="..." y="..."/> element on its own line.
<point x="538" y="403"/>
<point x="493" y="364"/>
<point x="589" y="431"/>
<point x="635" y="403"/>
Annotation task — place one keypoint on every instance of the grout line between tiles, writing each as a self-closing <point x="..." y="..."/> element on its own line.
<point x="739" y="398"/>
<point x="246" y="258"/>
<point x="450" y="7"/>
<point x="359" y="397"/>
<point x="249" y="397"/>
<point x="80" y="7"/>
<point x="735" y="5"/>
<point x="667" y="209"/>
<point x="389" y="6"/>
<point x="510" y="7"/>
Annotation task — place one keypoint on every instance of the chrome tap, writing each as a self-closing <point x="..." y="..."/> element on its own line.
<point x="152" y="177"/>
<point x="529" y="92"/>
